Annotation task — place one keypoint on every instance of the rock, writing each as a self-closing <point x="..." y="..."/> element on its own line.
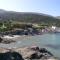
<point x="34" y="52"/>
<point x="1" y="39"/>
<point x="30" y="53"/>
<point x="11" y="56"/>
<point x="7" y="41"/>
<point x="34" y="48"/>
<point x="44" y="51"/>
<point x="4" y="50"/>
<point x="26" y="52"/>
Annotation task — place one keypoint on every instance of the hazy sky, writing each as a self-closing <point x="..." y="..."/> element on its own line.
<point x="51" y="7"/>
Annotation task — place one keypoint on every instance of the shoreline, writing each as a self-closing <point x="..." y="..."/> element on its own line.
<point x="31" y="52"/>
<point x="21" y="38"/>
<point x="18" y="36"/>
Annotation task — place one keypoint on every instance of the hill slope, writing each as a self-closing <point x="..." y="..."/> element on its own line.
<point x="27" y="17"/>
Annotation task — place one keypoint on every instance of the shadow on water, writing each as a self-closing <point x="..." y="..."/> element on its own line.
<point x="53" y="46"/>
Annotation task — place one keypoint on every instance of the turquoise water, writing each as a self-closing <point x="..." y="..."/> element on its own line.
<point x="50" y="41"/>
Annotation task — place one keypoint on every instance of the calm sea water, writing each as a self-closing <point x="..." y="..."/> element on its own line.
<point x="49" y="41"/>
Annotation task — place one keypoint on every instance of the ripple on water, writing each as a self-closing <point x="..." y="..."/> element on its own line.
<point x="53" y="46"/>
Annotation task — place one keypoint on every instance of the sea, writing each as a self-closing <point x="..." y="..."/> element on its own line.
<point x="49" y="41"/>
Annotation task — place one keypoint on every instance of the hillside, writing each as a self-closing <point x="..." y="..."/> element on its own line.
<point x="27" y="17"/>
<point x="58" y="17"/>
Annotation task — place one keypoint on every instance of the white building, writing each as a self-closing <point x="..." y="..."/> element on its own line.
<point x="53" y="27"/>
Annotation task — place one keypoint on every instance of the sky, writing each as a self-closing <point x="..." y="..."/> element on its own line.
<point x="50" y="7"/>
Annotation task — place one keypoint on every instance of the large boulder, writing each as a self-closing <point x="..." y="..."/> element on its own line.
<point x="11" y="56"/>
<point x="35" y="52"/>
<point x="27" y="53"/>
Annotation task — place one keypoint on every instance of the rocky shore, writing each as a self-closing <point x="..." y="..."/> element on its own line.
<point x="27" y="53"/>
<point x="23" y="53"/>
